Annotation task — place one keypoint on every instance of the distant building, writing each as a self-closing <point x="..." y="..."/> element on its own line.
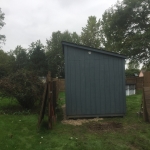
<point x="141" y="74"/>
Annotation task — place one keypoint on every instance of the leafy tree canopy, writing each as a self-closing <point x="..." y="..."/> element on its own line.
<point x="90" y="35"/>
<point x="4" y="63"/>
<point x="126" y="29"/>
<point x="37" y="58"/>
<point x="54" y="51"/>
<point x="21" y="58"/>
<point x="2" y="37"/>
<point x="133" y="65"/>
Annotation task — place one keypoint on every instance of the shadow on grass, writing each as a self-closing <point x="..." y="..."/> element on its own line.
<point x="12" y="107"/>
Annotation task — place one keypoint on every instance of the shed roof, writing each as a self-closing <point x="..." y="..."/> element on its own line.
<point x="92" y="49"/>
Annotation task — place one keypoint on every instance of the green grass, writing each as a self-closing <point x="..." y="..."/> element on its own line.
<point x="18" y="131"/>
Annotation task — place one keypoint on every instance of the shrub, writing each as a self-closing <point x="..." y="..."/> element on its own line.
<point x="131" y="72"/>
<point x="23" y="85"/>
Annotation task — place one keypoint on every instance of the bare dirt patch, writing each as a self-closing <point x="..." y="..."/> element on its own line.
<point x="78" y="122"/>
<point x="104" y="126"/>
<point x="95" y="124"/>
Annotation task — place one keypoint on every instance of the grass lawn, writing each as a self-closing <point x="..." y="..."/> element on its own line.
<point x="18" y="131"/>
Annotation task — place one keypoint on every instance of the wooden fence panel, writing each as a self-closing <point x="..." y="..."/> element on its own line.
<point x="146" y="103"/>
<point x="131" y="80"/>
<point x="147" y="79"/>
<point x="146" y="96"/>
<point x="138" y="81"/>
<point x="50" y="96"/>
<point x="55" y="94"/>
<point x="61" y="84"/>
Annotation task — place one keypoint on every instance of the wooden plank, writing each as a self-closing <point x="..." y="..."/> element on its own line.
<point x="146" y="89"/>
<point x="147" y="96"/>
<point x="145" y="114"/>
<point x="146" y="102"/>
<point x="54" y="95"/>
<point x="147" y="79"/>
<point x="43" y="106"/>
<point x="51" y="114"/>
<point x="48" y="95"/>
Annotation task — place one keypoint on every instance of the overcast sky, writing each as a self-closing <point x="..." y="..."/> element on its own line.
<point x="30" y="20"/>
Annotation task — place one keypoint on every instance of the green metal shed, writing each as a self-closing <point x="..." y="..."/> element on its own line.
<point x="95" y="82"/>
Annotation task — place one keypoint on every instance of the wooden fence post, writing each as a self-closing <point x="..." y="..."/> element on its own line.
<point x="50" y="94"/>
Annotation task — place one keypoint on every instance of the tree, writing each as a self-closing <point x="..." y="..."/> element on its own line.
<point x="133" y="68"/>
<point x="75" y="38"/>
<point x="54" y="54"/>
<point x="146" y="67"/>
<point x="125" y="28"/>
<point x="54" y="51"/>
<point x="131" y="72"/>
<point x="37" y="58"/>
<point x="2" y="37"/>
<point x="24" y="86"/>
<point x="4" y="64"/>
<point x="90" y="35"/>
<point x="21" y="58"/>
<point x="133" y="65"/>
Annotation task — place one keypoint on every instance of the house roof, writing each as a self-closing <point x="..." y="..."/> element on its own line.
<point x="92" y="49"/>
<point x="143" y="71"/>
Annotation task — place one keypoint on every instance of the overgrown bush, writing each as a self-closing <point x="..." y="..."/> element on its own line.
<point x="131" y="72"/>
<point x="23" y="85"/>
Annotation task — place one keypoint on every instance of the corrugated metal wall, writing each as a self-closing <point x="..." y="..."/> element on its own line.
<point x="95" y="84"/>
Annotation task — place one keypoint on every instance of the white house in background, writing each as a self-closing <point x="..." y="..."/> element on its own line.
<point x="130" y="89"/>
